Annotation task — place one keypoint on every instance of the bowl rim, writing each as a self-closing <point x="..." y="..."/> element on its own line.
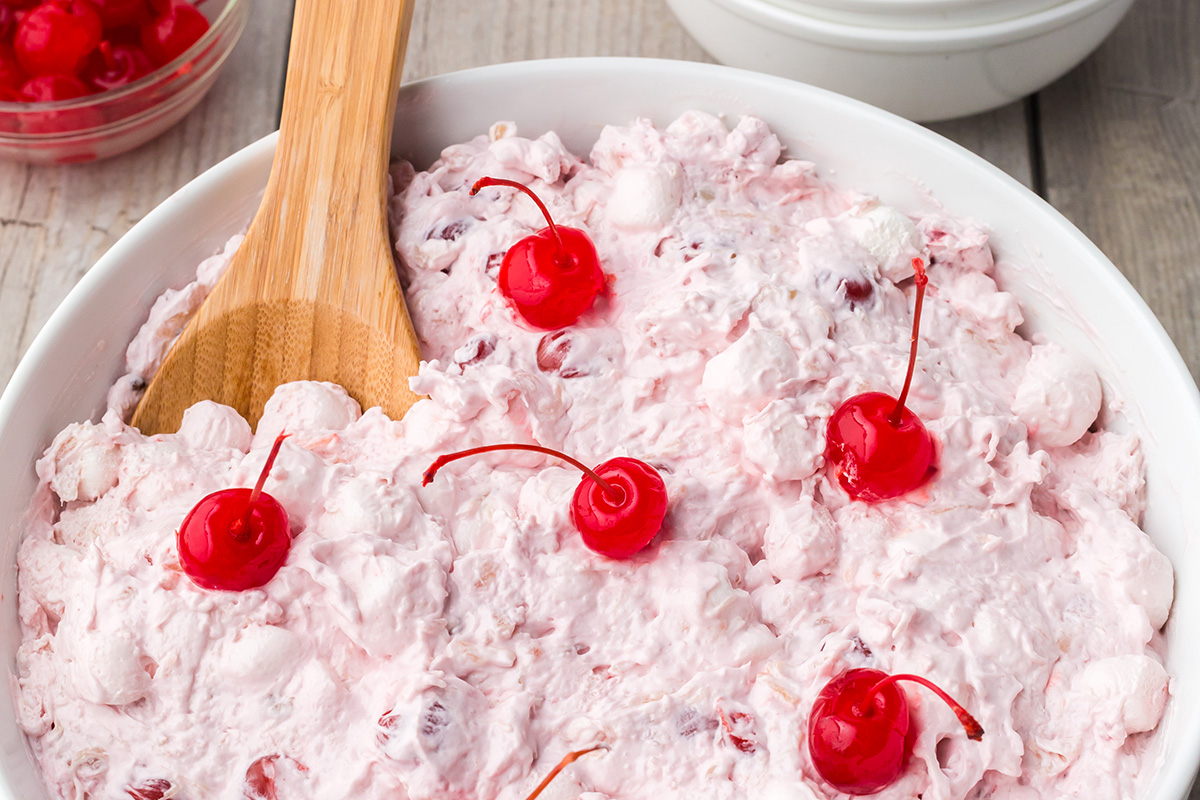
<point x="110" y="266"/>
<point x="908" y="6"/>
<point x="917" y="14"/>
<point x="913" y="39"/>
<point x="225" y="20"/>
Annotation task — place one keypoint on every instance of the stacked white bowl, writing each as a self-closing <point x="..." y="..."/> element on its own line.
<point x="923" y="59"/>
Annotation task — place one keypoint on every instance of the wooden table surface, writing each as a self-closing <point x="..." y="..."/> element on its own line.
<point x="1115" y="145"/>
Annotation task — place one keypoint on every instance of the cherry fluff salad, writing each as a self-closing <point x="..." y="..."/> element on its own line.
<point x="726" y="484"/>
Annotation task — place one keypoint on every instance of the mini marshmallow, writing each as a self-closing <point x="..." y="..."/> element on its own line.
<point x="1133" y="688"/>
<point x="1059" y="396"/>
<point x="782" y="442"/>
<point x="747" y="376"/>
<point x="305" y="405"/>
<point x="645" y="197"/>
<point x="108" y="669"/>
<point x="260" y="655"/>
<point x="801" y="540"/>
<point x="211" y="426"/>
<point x="82" y="463"/>
<point x="891" y="238"/>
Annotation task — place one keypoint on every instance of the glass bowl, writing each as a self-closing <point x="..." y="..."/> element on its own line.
<point x="105" y="124"/>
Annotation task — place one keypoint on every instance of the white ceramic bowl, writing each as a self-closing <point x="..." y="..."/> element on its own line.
<point x="923" y="73"/>
<point x="916" y="13"/>
<point x="1071" y="294"/>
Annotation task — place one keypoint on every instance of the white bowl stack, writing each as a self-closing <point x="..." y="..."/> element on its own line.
<point x="922" y="59"/>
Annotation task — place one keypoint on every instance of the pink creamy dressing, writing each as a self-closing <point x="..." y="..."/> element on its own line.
<point x="455" y="641"/>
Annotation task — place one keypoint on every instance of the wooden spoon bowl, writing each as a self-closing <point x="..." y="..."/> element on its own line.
<point x="312" y="292"/>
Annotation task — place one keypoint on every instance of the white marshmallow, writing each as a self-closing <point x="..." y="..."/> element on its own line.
<point x="1059" y="396"/>
<point x="1132" y="688"/>
<point x="782" y="442"/>
<point x="109" y="669"/>
<point x="645" y="197"/>
<point x="800" y="541"/>
<point x="212" y="426"/>
<point x="891" y="238"/>
<point x="260" y="655"/>
<point x="307" y="405"/>
<point x="747" y="375"/>
<point x="82" y="463"/>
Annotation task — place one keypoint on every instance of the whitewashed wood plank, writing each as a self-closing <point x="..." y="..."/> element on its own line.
<point x="457" y="34"/>
<point x="1121" y="137"/>
<point x="56" y="221"/>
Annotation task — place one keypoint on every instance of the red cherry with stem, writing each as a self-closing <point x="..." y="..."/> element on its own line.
<point x="175" y="27"/>
<point x="117" y="65"/>
<point x="617" y="507"/>
<point x="236" y="539"/>
<point x="569" y="758"/>
<point x="878" y="448"/>
<point x="551" y="277"/>
<point x="859" y="729"/>
<point x="55" y="37"/>
<point x="47" y="88"/>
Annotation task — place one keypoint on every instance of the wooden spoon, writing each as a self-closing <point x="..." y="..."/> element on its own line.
<point x="312" y="292"/>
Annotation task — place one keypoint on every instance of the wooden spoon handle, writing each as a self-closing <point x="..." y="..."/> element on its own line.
<point x="330" y="171"/>
<point x="312" y="293"/>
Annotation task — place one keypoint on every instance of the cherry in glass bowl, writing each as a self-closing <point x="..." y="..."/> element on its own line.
<point x="111" y="122"/>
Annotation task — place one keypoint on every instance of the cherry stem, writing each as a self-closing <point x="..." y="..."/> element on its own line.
<point x="484" y="182"/>
<point x="567" y="759"/>
<point x="266" y="470"/>
<point x="442" y="461"/>
<point x="240" y="528"/>
<point x="921" y="279"/>
<point x="970" y="724"/>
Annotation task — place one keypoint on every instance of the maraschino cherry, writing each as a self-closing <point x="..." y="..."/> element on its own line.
<point x="552" y="276"/>
<point x="48" y="88"/>
<point x="878" y="448"/>
<point x="618" y="507"/>
<point x="176" y="26"/>
<point x="236" y="539"/>
<point x="55" y="37"/>
<point x="859" y="729"/>
<point x="117" y="65"/>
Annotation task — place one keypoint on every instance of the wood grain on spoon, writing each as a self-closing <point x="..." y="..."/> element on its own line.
<point x="312" y="292"/>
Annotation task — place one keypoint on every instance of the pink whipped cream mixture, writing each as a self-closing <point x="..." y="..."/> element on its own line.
<point x="455" y="641"/>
